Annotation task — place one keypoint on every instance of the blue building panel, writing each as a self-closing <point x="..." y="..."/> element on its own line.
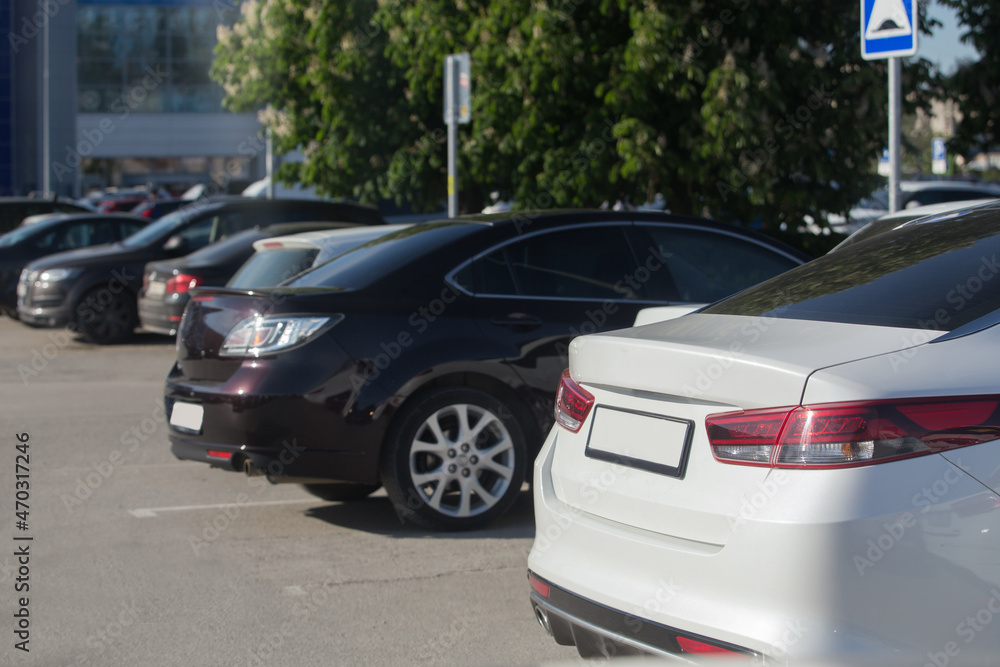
<point x="6" y="107"/>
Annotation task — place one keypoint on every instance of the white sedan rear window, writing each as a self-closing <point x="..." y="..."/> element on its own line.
<point x="938" y="275"/>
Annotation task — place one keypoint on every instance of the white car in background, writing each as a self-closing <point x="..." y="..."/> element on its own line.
<point x="909" y="216"/>
<point x="809" y="469"/>
<point x="913" y="194"/>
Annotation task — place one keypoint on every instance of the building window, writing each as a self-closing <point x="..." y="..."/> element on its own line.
<point x="146" y="58"/>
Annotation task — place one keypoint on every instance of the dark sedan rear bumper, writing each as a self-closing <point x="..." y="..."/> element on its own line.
<point x="275" y="417"/>
<point x="285" y="462"/>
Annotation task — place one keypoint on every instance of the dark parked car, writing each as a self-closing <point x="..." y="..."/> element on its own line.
<point x="55" y="233"/>
<point x="95" y="291"/>
<point x="166" y="285"/>
<point x="154" y="209"/>
<point x="428" y="360"/>
<point x="15" y="209"/>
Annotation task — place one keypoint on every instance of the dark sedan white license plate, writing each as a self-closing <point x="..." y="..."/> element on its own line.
<point x="156" y="288"/>
<point x="187" y="416"/>
<point x="640" y="440"/>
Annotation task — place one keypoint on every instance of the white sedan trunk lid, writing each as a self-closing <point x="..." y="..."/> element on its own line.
<point x="642" y="457"/>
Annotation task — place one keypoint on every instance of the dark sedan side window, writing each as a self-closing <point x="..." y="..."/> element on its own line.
<point x="214" y="228"/>
<point x="80" y="235"/>
<point x="580" y="263"/>
<point x="129" y="228"/>
<point x="46" y="241"/>
<point x="200" y="234"/>
<point x="706" y="266"/>
<point x="100" y="232"/>
<point x="231" y="223"/>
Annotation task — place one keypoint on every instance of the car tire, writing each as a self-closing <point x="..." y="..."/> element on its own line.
<point x="454" y="459"/>
<point x="106" y="318"/>
<point x="342" y="491"/>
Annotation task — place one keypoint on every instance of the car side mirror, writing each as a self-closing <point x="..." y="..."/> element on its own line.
<point x="176" y="245"/>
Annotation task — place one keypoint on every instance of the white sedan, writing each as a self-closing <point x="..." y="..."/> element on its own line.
<point x="807" y="469"/>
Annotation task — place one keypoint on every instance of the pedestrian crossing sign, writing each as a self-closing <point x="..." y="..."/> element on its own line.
<point x="888" y="28"/>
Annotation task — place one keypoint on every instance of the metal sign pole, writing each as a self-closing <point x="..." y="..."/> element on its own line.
<point x="452" y="169"/>
<point x="895" y="116"/>
<point x="457" y="91"/>
<point x="450" y="76"/>
<point x="269" y="162"/>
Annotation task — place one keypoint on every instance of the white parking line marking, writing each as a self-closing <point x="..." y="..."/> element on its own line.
<point x="150" y="512"/>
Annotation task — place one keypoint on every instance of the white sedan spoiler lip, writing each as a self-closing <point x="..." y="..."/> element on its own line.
<point x="751" y="362"/>
<point x="655" y="314"/>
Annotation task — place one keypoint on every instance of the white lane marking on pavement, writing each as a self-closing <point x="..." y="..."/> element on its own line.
<point x="148" y="512"/>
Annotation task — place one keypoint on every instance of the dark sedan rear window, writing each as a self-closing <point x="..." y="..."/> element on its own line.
<point x="936" y="275"/>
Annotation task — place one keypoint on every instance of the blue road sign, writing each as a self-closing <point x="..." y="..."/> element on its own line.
<point x="883" y="163"/>
<point x="888" y="28"/>
<point x="938" y="149"/>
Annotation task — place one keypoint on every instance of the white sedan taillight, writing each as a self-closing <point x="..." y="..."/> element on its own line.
<point x="842" y="435"/>
<point x="573" y="404"/>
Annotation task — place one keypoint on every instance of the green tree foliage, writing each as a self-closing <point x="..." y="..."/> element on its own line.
<point x="742" y="109"/>
<point x="976" y="85"/>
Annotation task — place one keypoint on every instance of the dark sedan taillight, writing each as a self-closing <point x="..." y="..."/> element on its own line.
<point x="260" y="335"/>
<point x="182" y="282"/>
<point x="843" y="435"/>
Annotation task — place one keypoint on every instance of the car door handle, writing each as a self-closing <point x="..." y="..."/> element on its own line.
<point x="518" y="320"/>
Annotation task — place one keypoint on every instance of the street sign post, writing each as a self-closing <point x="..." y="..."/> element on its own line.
<point x="889" y="30"/>
<point x="457" y="88"/>
<point x="457" y="104"/>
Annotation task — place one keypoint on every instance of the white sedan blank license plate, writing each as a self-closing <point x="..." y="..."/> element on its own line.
<point x="187" y="416"/>
<point x="640" y="440"/>
<point x="156" y="288"/>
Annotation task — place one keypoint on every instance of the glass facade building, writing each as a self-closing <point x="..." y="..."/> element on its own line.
<point x="150" y="56"/>
<point x="128" y="98"/>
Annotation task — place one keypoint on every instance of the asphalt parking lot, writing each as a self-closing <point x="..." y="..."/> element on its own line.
<point x="136" y="558"/>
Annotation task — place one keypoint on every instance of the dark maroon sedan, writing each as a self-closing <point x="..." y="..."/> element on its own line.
<point x="427" y="360"/>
